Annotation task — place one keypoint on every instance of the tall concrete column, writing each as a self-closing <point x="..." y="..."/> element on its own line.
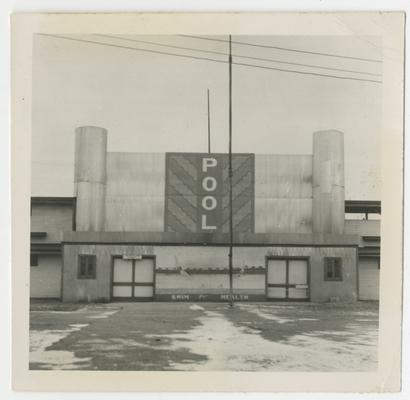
<point x="328" y="182"/>
<point x="90" y="177"/>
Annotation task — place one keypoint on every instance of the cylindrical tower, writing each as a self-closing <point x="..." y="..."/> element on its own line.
<point x="90" y="177"/>
<point x="328" y="182"/>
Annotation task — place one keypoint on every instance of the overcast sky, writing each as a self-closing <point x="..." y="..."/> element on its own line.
<point x="152" y="102"/>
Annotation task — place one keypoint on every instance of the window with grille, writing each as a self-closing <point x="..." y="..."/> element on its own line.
<point x="87" y="266"/>
<point x="333" y="269"/>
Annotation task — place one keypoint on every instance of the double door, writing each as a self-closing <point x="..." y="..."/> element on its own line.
<point x="287" y="279"/>
<point x="133" y="279"/>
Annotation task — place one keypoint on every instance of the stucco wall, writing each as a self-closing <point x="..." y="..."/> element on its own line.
<point x="53" y="219"/>
<point x="45" y="279"/>
<point x="204" y="257"/>
<point x="167" y="283"/>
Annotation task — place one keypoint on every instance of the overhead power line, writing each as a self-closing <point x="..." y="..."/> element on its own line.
<point x="126" y="47"/>
<point x="307" y="73"/>
<point x="285" y="49"/>
<point x="131" y="48"/>
<point x="241" y="56"/>
<point x="208" y="59"/>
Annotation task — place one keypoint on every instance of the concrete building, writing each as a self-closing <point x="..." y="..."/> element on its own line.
<point x="156" y="227"/>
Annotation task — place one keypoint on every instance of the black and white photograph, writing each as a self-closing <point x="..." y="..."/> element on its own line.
<point x="206" y="202"/>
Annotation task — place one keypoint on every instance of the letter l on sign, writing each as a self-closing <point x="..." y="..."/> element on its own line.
<point x="204" y="224"/>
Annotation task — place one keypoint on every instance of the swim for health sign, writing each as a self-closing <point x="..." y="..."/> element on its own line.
<point x="197" y="192"/>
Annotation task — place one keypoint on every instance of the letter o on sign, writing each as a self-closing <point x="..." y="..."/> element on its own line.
<point x="209" y="203"/>
<point x="209" y="183"/>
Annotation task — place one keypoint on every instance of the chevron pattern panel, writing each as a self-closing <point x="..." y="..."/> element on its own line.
<point x="197" y="192"/>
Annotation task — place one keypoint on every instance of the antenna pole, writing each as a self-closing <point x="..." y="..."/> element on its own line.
<point x="230" y="179"/>
<point x="209" y="126"/>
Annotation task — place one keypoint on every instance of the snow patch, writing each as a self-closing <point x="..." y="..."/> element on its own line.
<point x="195" y="307"/>
<point x="333" y="355"/>
<point x="77" y="327"/>
<point x="103" y="315"/>
<point x="54" y="359"/>
<point x="232" y="348"/>
<point x="264" y="314"/>
<point x="77" y="311"/>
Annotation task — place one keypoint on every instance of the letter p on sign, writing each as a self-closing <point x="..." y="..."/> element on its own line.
<point x="207" y="163"/>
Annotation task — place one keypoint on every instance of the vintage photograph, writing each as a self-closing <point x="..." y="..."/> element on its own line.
<point x="205" y="202"/>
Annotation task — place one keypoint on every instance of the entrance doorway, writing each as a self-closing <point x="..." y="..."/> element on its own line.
<point x="287" y="279"/>
<point x="369" y="271"/>
<point x="133" y="279"/>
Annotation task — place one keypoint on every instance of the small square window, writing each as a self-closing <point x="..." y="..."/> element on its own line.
<point x="333" y="269"/>
<point x="33" y="260"/>
<point x="87" y="266"/>
<point x="91" y="270"/>
<point x="83" y="269"/>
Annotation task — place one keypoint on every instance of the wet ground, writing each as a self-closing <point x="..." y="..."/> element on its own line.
<point x="204" y="336"/>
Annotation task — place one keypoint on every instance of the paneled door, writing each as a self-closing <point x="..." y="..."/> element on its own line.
<point x="133" y="279"/>
<point x="287" y="279"/>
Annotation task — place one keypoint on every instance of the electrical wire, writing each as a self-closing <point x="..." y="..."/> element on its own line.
<point x="284" y="49"/>
<point x="209" y="59"/>
<point x="240" y="55"/>
<point x="307" y="73"/>
<point x="131" y="48"/>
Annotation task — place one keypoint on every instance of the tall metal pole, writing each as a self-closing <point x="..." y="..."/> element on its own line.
<point x="209" y="127"/>
<point x="230" y="179"/>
